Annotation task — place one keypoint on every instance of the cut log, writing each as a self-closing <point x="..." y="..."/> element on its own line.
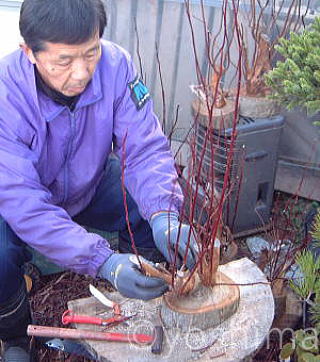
<point x="233" y="340"/>
<point x="214" y="118"/>
<point x="258" y="107"/>
<point x="205" y="307"/>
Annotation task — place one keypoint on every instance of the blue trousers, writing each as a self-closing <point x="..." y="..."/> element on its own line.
<point x="105" y="212"/>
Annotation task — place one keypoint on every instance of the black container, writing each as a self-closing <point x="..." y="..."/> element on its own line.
<point x="253" y="170"/>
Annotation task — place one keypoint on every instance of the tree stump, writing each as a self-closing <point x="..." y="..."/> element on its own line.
<point x="233" y="340"/>
<point x="258" y="107"/>
<point x="217" y="118"/>
<point x="205" y="307"/>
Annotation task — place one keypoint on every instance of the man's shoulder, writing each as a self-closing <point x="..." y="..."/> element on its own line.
<point x="114" y="54"/>
<point x="16" y="76"/>
<point x="12" y="63"/>
<point x="16" y="83"/>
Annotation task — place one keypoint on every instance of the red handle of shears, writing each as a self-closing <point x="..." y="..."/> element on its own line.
<point x="68" y="317"/>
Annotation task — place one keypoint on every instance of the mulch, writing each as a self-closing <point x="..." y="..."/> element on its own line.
<point x="49" y="297"/>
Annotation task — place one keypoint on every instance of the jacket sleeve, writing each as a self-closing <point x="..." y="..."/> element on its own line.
<point x="149" y="169"/>
<point x="26" y="204"/>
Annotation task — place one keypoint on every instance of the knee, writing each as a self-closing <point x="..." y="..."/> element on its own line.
<point x="7" y="242"/>
<point x="13" y="253"/>
<point x="11" y="273"/>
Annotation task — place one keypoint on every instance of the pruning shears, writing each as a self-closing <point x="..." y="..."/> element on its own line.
<point x="69" y="317"/>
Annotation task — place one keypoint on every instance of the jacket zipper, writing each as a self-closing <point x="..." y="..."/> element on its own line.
<point x="69" y="150"/>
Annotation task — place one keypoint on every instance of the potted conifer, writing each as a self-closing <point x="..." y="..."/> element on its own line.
<point x="295" y="81"/>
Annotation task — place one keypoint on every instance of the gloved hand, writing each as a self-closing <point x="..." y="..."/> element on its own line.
<point x="123" y="273"/>
<point x="166" y="240"/>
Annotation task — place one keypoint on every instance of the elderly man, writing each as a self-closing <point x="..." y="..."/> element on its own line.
<point x="67" y="101"/>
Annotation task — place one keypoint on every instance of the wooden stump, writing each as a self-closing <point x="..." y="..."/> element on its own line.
<point x="233" y="340"/>
<point x="258" y="107"/>
<point x="220" y="118"/>
<point x="204" y="308"/>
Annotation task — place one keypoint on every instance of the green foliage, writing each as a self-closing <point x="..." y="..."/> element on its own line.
<point x="309" y="284"/>
<point x="315" y="312"/>
<point x="309" y="357"/>
<point x="304" y="345"/>
<point x="287" y="350"/>
<point x="310" y="267"/>
<point x="306" y="341"/>
<point x="316" y="227"/>
<point x="296" y="80"/>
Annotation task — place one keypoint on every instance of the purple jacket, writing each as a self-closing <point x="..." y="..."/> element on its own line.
<point x="51" y="159"/>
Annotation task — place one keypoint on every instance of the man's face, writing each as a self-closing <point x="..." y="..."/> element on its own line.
<point x="67" y="68"/>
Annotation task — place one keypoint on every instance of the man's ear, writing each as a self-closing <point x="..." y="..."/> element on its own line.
<point x="28" y="52"/>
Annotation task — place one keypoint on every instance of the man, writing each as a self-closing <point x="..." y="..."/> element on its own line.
<point x="67" y="100"/>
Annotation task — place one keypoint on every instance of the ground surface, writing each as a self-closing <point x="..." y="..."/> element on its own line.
<point x="49" y="299"/>
<point x="50" y="294"/>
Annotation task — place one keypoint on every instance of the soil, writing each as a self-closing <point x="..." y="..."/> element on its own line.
<point x="50" y="294"/>
<point x="49" y="297"/>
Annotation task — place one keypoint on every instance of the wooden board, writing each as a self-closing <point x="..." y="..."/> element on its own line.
<point x="298" y="180"/>
<point x="234" y="339"/>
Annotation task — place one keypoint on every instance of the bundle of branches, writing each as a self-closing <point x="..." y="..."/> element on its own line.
<point x="209" y="175"/>
<point x="265" y="24"/>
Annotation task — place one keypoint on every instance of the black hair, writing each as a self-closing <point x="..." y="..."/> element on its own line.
<point x="60" y="21"/>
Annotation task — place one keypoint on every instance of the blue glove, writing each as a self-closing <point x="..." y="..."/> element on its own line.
<point x="160" y="224"/>
<point x="123" y="273"/>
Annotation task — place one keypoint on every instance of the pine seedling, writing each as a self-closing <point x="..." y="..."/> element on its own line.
<point x="310" y="283"/>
